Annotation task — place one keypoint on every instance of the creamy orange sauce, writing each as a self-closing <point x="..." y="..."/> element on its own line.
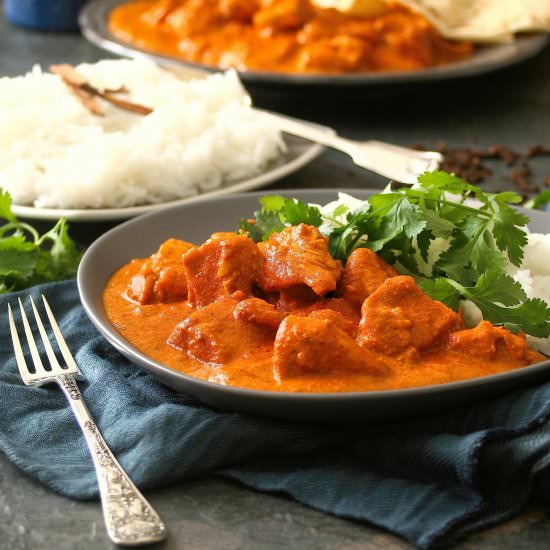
<point x="290" y="36"/>
<point x="149" y="327"/>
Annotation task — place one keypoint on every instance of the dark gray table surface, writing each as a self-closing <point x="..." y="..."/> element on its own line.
<point x="511" y="106"/>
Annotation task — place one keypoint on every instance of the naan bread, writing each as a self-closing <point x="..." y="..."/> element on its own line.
<point x="484" y="20"/>
<point x="476" y="20"/>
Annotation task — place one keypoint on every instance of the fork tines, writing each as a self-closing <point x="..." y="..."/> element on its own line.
<point x="40" y="374"/>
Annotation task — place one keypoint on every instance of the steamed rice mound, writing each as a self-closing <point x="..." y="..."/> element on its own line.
<point x="202" y="133"/>
<point x="534" y="276"/>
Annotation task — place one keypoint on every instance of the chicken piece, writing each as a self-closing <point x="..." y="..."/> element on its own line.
<point x="213" y="334"/>
<point x="157" y="13"/>
<point x="298" y="255"/>
<point x="301" y="300"/>
<point x="338" y="319"/>
<point x="341" y="53"/>
<point x="254" y="310"/>
<point x="398" y="317"/>
<point x="338" y="305"/>
<point x="161" y="278"/>
<point x="295" y="297"/>
<point x="194" y="17"/>
<point x="283" y="15"/>
<point x="306" y="346"/>
<point x="365" y="271"/>
<point x="225" y="266"/>
<point x="487" y="342"/>
<point x="240" y="10"/>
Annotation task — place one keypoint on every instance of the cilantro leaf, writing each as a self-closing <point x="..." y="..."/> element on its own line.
<point x="5" y="206"/>
<point x="501" y="300"/>
<point x="340" y="210"/>
<point x="530" y="316"/>
<point x="509" y="197"/>
<point x="273" y="202"/>
<point x="444" y="181"/>
<point x="17" y="259"/>
<point x="296" y="211"/>
<point x="542" y="199"/>
<point x="423" y="240"/>
<point x="251" y="229"/>
<point x="496" y="286"/>
<point x="508" y="236"/>
<point x="443" y="290"/>
<point x="64" y="256"/>
<point x="26" y="258"/>
<point x="278" y="212"/>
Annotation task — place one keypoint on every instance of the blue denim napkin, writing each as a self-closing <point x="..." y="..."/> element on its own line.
<point x="430" y="480"/>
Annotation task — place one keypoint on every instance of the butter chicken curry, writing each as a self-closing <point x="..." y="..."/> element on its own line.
<point x="283" y="315"/>
<point x="292" y="36"/>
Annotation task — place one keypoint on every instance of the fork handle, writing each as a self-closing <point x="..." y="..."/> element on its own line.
<point x="391" y="161"/>
<point x="130" y="520"/>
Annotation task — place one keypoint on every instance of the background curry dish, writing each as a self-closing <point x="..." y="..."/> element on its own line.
<point x="293" y="36"/>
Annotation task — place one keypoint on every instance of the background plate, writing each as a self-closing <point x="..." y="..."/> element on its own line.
<point x="141" y="237"/>
<point x="94" y="26"/>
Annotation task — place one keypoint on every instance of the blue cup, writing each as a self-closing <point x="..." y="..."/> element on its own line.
<point x="45" y="15"/>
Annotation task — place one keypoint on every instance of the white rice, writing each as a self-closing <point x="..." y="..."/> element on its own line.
<point x="533" y="274"/>
<point x="534" y="277"/>
<point x="55" y="153"/>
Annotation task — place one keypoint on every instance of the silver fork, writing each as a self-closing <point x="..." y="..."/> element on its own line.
<point x="130" y="520"/>
<point x="392" y="161"/>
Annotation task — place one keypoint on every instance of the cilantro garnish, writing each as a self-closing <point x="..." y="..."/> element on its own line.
<point x="277" y="212"/>
<point x="27" y="258"/>
<point x="483" y="233"/>
<point x="500" y="299"/>
<point x="541" y="200"/>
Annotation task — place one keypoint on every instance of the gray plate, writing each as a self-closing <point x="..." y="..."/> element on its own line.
<point x="94" y="17"/>
<point x="140" y="237"/>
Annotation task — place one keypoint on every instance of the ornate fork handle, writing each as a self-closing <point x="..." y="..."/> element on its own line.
<point x="394" y="162"/>
<point x="130" y="520"/>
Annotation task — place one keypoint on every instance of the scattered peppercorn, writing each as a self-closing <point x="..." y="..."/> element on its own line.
<point x="520" y="178"/>
<point x="470" y="164"/>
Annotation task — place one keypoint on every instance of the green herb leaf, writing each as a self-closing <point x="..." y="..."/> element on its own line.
<point x="5" y="206"/>
<point x="296" y="211"/>
<point x="542" y="199"/>
<point x="442" y="290"/>
<point x="278" y="212"/>
<point x="17" y="259"/>
<point x="251" y="229"/>
<point x="508" y="236"/>
<point x="26" y="258"/>
<point x="273" y="202"/>
<point x="501" y="300"/>
<point x="496" y="286"/>
<point x="64" y="255"/>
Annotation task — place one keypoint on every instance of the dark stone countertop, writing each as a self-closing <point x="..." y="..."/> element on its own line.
<point x="511" y="106"/>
